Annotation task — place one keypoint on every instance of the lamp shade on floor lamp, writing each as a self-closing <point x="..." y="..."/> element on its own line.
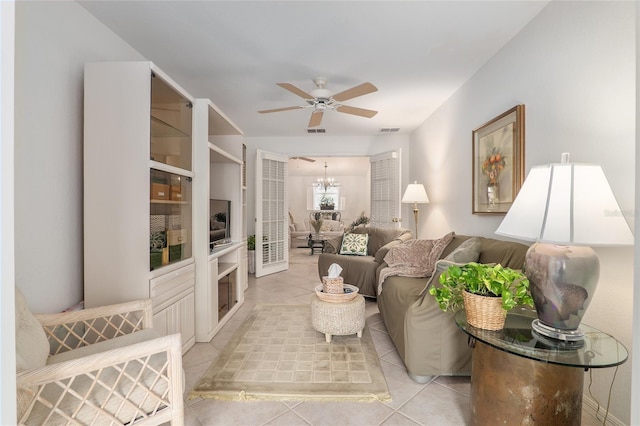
<point x="415" y="194"/>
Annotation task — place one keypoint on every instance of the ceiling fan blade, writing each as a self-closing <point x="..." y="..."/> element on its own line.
<point x="310" y="160"/>
<point x="316" y="118"/>
<point x="356" y="111"/>
<point x="279" y="109"/>
<point x="296" y="91"/>
<point x="354" y="92"/>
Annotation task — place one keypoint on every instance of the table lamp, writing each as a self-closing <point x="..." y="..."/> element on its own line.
<point x="565" y="208"/>
<point x="416" y="194"/>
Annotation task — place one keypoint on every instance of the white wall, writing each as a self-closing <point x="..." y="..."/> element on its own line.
<point x="635" y="376"/>
<point x="7" y="256"/>
<point x="53" y="41"/>
<point x="573" y="67"/>
<point x="320" y="146"/>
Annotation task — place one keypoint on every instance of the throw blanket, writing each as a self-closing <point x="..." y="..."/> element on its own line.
<point x="413" y="258"/>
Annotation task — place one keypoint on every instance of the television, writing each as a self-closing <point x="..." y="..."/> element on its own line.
<point x="219" y="222"/>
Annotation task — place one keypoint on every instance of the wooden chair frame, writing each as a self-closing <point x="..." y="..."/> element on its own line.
<point x="71" y="330"/>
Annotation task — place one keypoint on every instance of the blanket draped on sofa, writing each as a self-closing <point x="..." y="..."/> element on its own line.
<point x="413" y="258"/>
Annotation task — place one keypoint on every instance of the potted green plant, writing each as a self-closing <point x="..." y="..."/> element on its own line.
<point x="326" y="203"/>
<point x="360" y="220"/>
<point x="251" y="247"/>
<point x="475" y="283"/>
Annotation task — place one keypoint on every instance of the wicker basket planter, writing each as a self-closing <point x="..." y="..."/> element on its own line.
<point x="349" y="293"/>
<point x="484" y="311"/>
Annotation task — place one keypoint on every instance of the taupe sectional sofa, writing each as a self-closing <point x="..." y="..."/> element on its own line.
<point x="427" y="339"/>
<point x="362" y="271"/>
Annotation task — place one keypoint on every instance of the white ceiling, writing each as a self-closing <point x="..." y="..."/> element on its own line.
<point x="417" y="53"/>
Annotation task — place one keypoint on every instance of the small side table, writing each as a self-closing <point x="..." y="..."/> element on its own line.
<point x="316" y="242"/>
<point x="519" y="377"/>
<point x="338" y="319"/>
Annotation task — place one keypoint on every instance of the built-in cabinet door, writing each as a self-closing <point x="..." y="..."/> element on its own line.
<point x="178" y="318"/>
<point x="174" y="304"/>
<point x="161" y="322"/>
<point x="185" y="320"/>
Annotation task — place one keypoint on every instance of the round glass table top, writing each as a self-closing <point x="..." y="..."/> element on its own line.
<point x="597" y="350"/>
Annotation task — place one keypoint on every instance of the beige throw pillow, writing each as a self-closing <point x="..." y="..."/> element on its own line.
<point x="32" y="348"/>
<point x="468" y="251"/>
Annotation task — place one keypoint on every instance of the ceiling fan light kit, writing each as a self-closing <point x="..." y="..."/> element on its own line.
<point x="322" y="100"/>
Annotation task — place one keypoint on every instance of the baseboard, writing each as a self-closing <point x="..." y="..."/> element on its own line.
<point x="590" y="407"/>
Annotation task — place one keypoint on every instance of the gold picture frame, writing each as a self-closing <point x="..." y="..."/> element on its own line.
<point x="498" y="162"/>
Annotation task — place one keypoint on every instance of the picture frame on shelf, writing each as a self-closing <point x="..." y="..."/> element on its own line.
<point x="498" y="162"/>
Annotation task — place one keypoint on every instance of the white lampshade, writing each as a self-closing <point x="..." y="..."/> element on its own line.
<point x="415" y="193"/>
<point x="567" y="203"/>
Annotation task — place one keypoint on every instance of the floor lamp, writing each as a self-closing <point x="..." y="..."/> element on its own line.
<point x="565" y="208"/>
<point x="416" y="194"/>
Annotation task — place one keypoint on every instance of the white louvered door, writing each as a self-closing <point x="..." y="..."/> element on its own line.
<point x="385" y="189"/>
<point x="272" y="245"/>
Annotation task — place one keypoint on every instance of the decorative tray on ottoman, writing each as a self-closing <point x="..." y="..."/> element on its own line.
<point x="349" y="293"/>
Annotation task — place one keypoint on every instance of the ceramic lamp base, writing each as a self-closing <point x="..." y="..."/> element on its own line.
<point x="563" y="280"/>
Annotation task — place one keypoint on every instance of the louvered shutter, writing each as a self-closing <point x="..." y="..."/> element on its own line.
<point x="385" y="190"/>
<point x="272" y="233"/>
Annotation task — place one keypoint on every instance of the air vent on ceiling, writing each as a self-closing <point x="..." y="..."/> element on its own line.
<point x="389" y="130"/>
<point x="316" y="130"/>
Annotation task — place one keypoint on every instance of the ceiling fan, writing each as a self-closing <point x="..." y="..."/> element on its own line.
<point x="310" y="160"/>
<point x="320" y="100"/>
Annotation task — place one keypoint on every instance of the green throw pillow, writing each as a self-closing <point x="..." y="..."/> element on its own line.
<point x="354" y="244"/>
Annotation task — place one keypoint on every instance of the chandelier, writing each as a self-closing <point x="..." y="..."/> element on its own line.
<point x="325" y="182"/>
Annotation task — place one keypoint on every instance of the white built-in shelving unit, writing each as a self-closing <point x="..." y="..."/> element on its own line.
<point x="220" y="158"/>
<point x="149" y="158"/>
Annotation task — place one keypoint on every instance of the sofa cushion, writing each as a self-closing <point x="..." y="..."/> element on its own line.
<point x="354" y="244"/>
<point x="378" y="237"/>
<point x="468" y="251"/>
<point x="507" y="253"/>
<point x="441" y="266"/>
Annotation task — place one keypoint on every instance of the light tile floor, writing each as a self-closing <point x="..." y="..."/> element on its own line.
<point x="442" y="401"/>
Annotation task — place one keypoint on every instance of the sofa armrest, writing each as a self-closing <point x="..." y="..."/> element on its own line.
<point x="333" y="245"/>
<point x="382" y="251"/>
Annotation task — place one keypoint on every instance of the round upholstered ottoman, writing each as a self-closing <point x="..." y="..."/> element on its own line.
<point x="338" y="319"/>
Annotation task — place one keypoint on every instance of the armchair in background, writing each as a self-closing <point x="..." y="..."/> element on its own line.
<point x="330" y="228"/>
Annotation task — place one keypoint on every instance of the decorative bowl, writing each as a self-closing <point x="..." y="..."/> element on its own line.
<point x="349" y="293"/>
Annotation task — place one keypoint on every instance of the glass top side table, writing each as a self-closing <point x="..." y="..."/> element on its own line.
<point x="534" y="380"/>
<point x="598" y="350"/>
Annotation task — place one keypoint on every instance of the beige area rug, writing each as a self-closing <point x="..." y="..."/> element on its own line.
<point x="277" y="355"/>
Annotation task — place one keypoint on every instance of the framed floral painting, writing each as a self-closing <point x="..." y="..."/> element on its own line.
<point x="498" y="162"/>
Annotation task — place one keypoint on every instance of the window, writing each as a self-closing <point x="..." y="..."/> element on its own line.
<point x="332" y="194"/>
